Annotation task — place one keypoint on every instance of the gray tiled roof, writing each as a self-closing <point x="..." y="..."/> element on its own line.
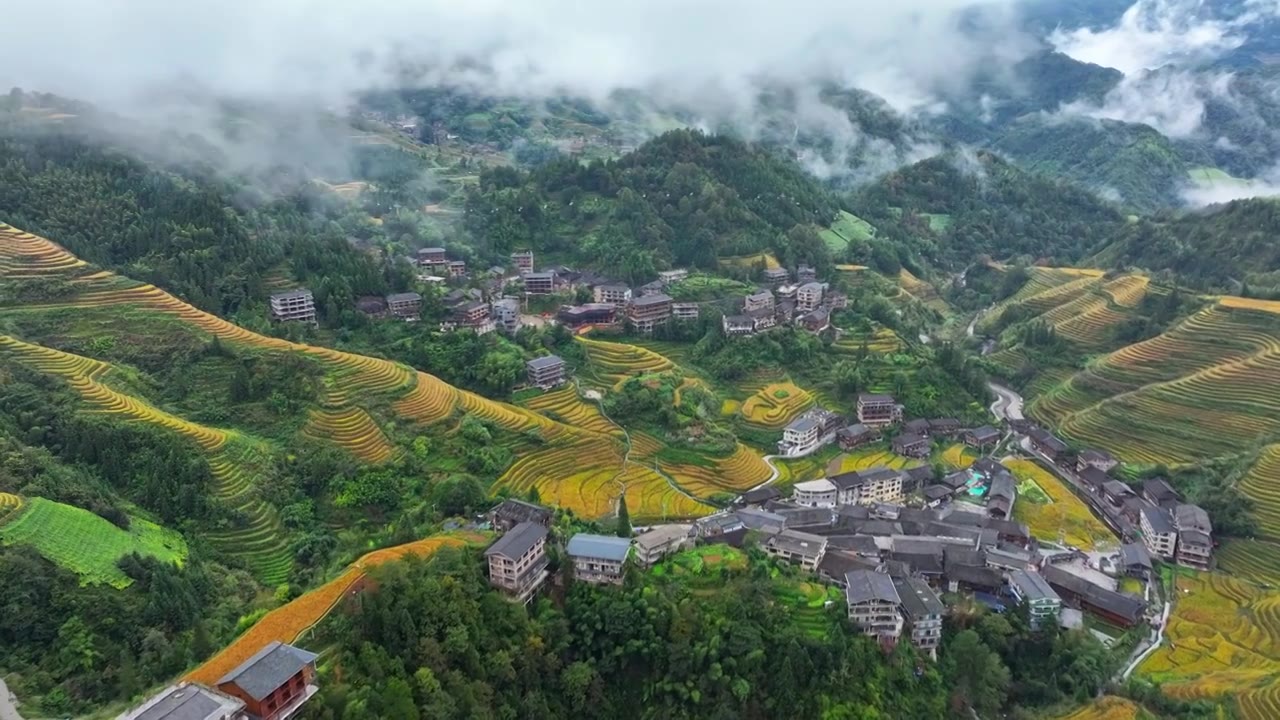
<point x="544" y="362"/>
<point x="1135" y="554"/>
<point x="800" y="543"/>
<point x="603" y="547"/>
<point x="1192" y="517"/>
<point x="654" y="299"/>
<point x="517" y="541"/>
<point x="804" y="423"/>
<point x="918" y="599"/>
<point x="874" y="398"/>
<point x="404" y="297"/>
<point x="292" y="294"/>
<point x="268" y="669"/>
<point x="866" y="585"/>
<point x="1032" y="585"/>
<point x="188" y="702"/>
<point x="1158" y="519"/>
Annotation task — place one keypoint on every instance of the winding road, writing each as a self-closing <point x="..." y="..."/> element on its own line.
<point x="1008" y="404"/>
<point x="8" y="708"/>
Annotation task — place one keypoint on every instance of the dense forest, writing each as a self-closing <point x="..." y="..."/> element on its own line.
<point x="683" y="199"/>
<point x="986" y="206"/>
<point x="1230" y="247"/>
<point x="434" y="642"/>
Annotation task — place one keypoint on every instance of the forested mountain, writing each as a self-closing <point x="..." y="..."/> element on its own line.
<point x="682" y="199"/>
<point x="947" y="210"/>
<point x="1231" y="247"/>
<point x="213" y="240"/>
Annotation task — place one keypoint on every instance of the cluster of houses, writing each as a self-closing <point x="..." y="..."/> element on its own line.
<point x="1154" y="515"/>
<point x="273" y="684"/>
<point x="643" y="308"/>
<point x="818" y="427"/>
<point x="807" y="304"/>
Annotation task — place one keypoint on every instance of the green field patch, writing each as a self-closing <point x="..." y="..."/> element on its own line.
<point x="86" y="544"/>
<point x="846" y="229"/>
<point x="938" y="222"/>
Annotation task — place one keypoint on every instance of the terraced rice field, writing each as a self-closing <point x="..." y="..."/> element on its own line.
<point x="1110" y="707"/>
<point x="85" y="543"/>
<point x="959" y="456"/>
<point x="23" y="255"/>
<point x="1224" y="642"/>
<point x="1090" y="319"/>
<point x="776" y="404"/>
<point x="10" y="505"/>
<point x="618" y="361"/>
<point x="353" y="430"/>
<point x="288" y="622"/>
<point x="867" y="457"/>
<point x="566" y="406"/>
<point x="751" y="261"/>
<point x="920" y="290"/>
<point x="261" y="540"/>
<point x="735" y="474"/>
<point x="583" y="478"/>
<point x="1065" y="517"/>
<point x="880" y="340"/>
<point x="1262" y="486"/>
<point x="1255" y="561"/>
<point x="419" y="396"/>
<point x="1208" y="387"/>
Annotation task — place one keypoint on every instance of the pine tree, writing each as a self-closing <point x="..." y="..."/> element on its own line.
<point x="624" y="518"/>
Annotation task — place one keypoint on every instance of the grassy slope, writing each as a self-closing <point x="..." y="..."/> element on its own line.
<point x="86" y="544"/>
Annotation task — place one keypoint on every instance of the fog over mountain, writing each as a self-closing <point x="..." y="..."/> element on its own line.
<point x="707" y="52"/>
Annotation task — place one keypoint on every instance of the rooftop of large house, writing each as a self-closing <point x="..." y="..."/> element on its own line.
<point x="521" y="511"/>
<point x="662" y="535"/>
<point x="844" y="481"/>
<point x="186" y="701"/>
<point x="654" y="299"/>
<point x="404" y="297"/>
<point x="602" y="547"/>
<point x="1032" y="585"/>
<point x="986" y="433"/>
<point x="1116" y="488"/>
<point x="1001" y="486"/>
<point x="867" y="585"/>
<point x="1096" y="456"/>
<point x="298" y="294"/>
<point x="918" y="599"/>
<point x="799" y="543"/>
<point x="545" y="362"/>
<point x="1158" y="519"/>
<point x="518" y="540"/>
<point x="1122" y="604"/>
<point x="934" y="493"/>
<point x="908" y="439"/>
<point x="1095" y="477"/>
<point x="1160" y="490"/>
<point x="803" y="424"/>
<point x="1192" y="517"/>
<point x="919" y="426"/>
<point x="1043" y="437"/>
<point x="944" y="424"/>
<point x="815" y="486"/>
<point x="874" y="398"/>
<point x="1195" y="538"/>
<point x="268" y="669"/>
<point x="760" y="495"/>
<point x="1135" y="554"/>
<point x="761" y="520"/>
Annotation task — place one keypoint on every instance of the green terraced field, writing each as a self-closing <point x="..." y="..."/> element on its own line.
<point x="846" y="229"/>
<point x="86" y="544"/>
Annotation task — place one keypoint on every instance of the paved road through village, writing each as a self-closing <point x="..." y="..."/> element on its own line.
<point x="8" y="711"/>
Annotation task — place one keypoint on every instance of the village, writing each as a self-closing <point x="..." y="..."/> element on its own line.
<point x="498" y="297"/>
<point x="905" y="544"/>
<point x="902" y="544"/>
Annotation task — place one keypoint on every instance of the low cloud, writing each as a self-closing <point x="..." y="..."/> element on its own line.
<point x="690" y="51"/>
<point x="1226" y="189"/>
<point x="1170" y="101"/>
<point x="1155" y="33"/>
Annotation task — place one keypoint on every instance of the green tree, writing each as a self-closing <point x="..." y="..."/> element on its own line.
<point x="624" y="518"/>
